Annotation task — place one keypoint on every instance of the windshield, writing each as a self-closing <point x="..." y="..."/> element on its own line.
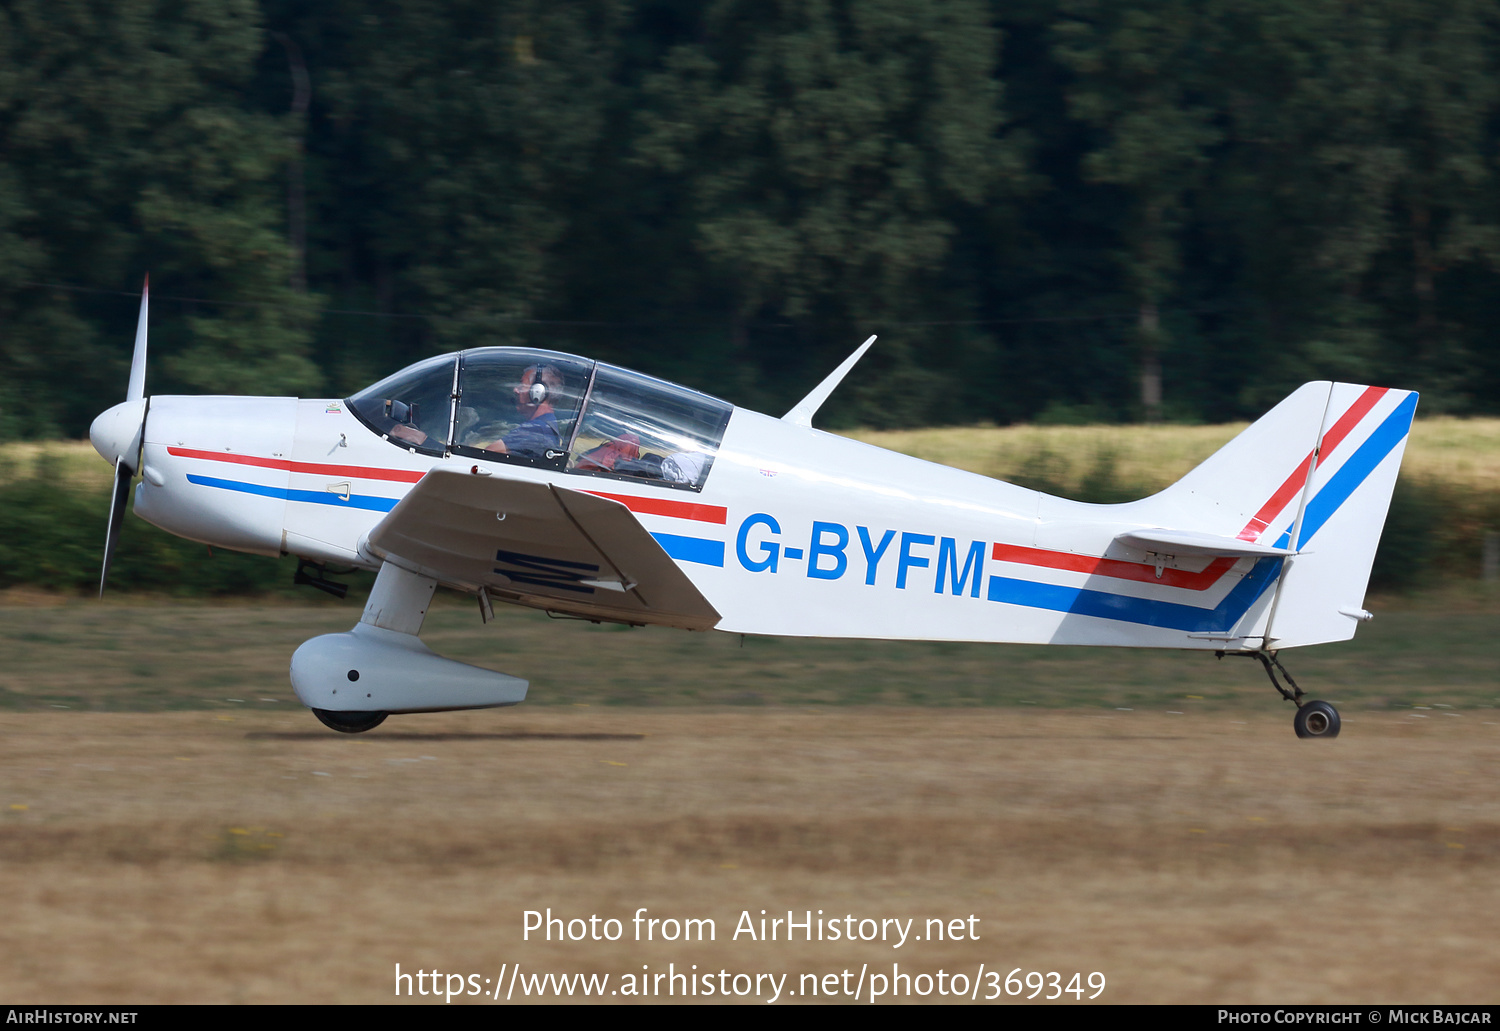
<point x="413" y="407"/>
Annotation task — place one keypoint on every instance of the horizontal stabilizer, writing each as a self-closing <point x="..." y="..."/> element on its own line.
<point x="1188" y="542"/>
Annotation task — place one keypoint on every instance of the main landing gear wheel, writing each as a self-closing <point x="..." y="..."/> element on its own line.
<point x="1316" y="719"/>
<point x="359" y="722"/>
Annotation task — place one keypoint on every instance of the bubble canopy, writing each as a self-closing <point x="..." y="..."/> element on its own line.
<point x="549" y="410"/>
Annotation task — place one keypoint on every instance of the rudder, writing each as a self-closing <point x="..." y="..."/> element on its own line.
<point x="1320" y="467"/>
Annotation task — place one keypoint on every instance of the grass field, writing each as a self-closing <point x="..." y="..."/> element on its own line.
<point x="135" y="655"/>
<point x="1205" y="858"/>
<point x="175" y="828"/>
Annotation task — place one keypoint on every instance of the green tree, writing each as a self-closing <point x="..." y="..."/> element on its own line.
<point x="126" y="148"/>
<point x="1294" y="212"/>
<point x="1142" y="78"/>
<point x="450" y="141"/>
<point x="1440" y="99"/>
<point x="1355" y="185"/>
<point x="825" y="152"/>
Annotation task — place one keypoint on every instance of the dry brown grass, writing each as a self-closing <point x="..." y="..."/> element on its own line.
<point x="72" y="462"/>
<point x="1459" y="452"/>
<point x="203" y="856"/>
<point x="138" y="654"/>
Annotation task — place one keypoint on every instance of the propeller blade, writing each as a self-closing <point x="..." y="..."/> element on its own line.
<point x="119" y="435"/>
<point x="117" y="505"/>
<point x="137" y="388"/>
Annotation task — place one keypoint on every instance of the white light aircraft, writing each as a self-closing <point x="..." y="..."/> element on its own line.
<point x="588" y="490"/>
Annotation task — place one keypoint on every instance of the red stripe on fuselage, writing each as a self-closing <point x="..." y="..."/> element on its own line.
<point x="1210" y="574"/>
<point x="1115" y="568"/>
<point x="650" y="506"/>
<point x="667" y="507"/>
<point x="315" y="468"/>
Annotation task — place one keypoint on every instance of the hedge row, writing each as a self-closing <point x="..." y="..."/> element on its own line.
<point x="52" y="537"/>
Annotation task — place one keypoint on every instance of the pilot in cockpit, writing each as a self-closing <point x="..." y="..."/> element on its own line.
<point x="539" y="433"/>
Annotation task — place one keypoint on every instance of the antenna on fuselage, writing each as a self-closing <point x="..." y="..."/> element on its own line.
<point x="802" y="413"/>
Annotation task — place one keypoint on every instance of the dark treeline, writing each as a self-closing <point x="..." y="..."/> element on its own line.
<point x="1048" y="209"/>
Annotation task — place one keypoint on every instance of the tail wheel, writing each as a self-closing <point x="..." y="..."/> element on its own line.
<point x="1317" y="719"/>
<point x="359" y="722"/>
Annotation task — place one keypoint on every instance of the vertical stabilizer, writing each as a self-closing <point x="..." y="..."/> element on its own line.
<point x="1313" y="476"/>
<point x="1322" y="589"/>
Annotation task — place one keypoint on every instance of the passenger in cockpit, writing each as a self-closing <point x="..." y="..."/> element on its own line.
<point x="539" y="433"/>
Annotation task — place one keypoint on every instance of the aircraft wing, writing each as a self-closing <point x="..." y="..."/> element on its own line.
<point x="541" y="545"/>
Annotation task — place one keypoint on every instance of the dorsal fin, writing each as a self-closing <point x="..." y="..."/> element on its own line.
<point x="803" y="411"/>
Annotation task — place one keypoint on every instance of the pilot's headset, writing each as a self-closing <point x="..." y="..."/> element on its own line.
<point x="538" y="392"/>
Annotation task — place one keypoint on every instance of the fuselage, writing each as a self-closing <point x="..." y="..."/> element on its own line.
<point x="787" y="530"/>
<point x="795" y="531"/>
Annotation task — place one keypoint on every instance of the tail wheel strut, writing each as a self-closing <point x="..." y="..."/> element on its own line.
<point x="1314" y="718"/>
<point x="1268" y="659"/>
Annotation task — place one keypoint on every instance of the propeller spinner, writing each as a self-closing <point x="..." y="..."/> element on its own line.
<point x="117" y="434"/>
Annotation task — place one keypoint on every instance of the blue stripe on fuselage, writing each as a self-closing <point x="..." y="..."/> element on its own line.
<point x="313" y="497"/>
<point x="692" y="549"/>
<point x="1222" y="617"/>
<point x="1167" y="614"/>
<point x="685" y="549"/>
